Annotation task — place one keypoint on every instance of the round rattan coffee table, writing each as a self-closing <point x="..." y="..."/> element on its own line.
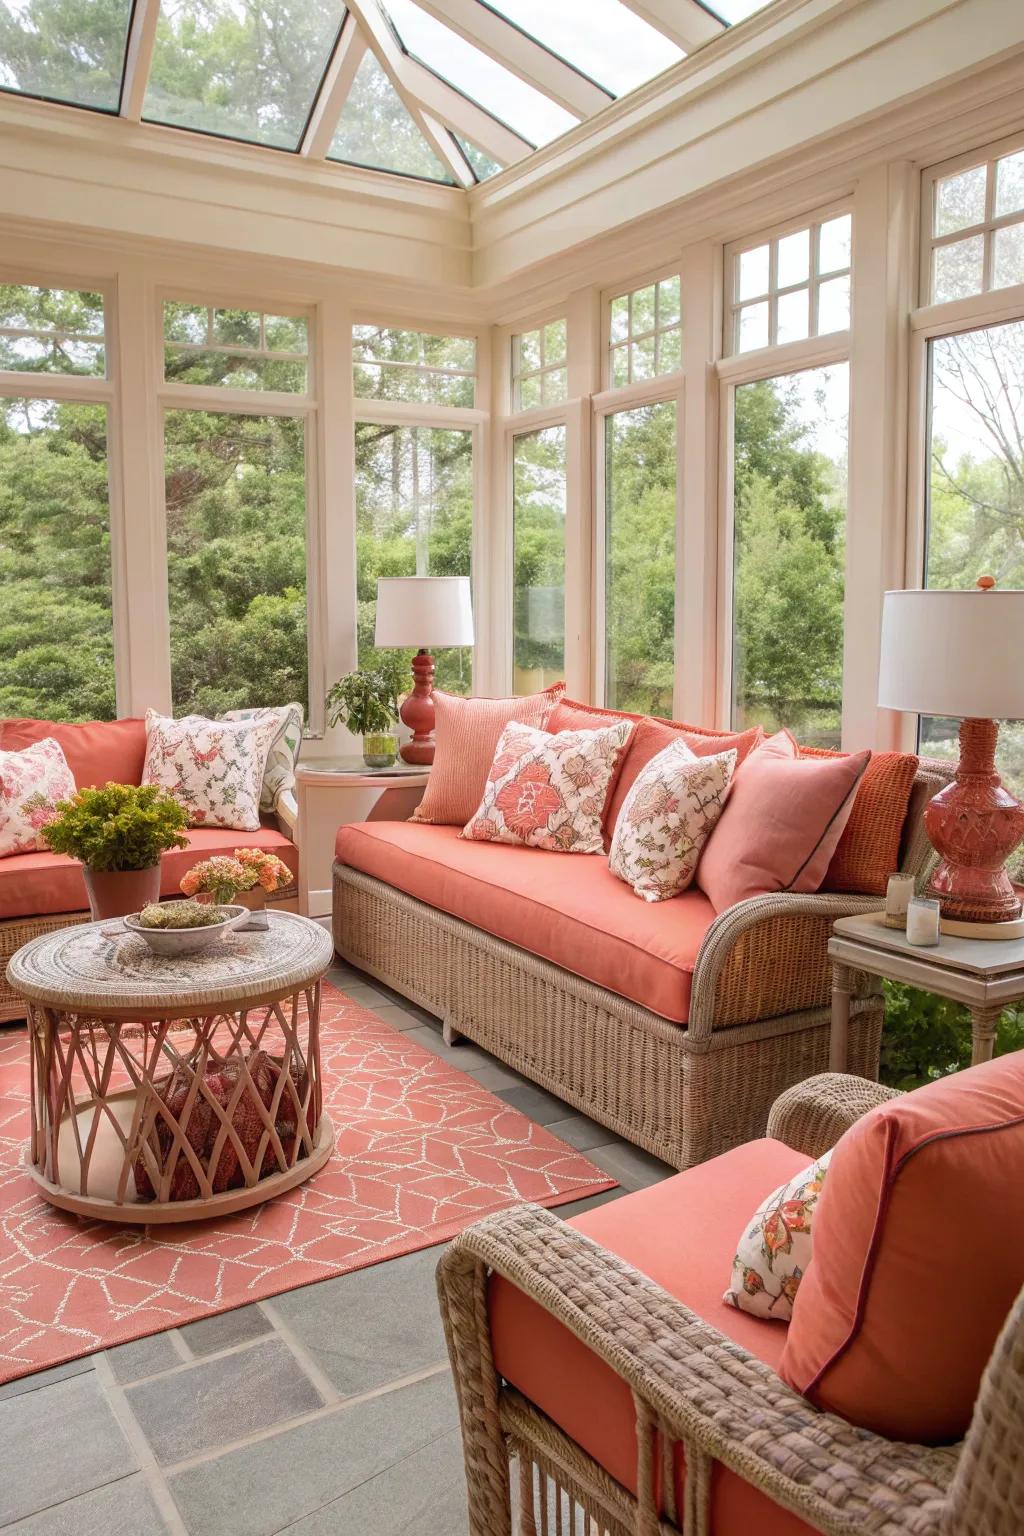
<point x="174" y="1089"/>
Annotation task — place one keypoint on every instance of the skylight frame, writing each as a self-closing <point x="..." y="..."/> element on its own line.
<point x="87" y="106"/>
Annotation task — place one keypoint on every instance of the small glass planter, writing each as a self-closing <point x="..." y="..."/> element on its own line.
<point x="380" y="751"/>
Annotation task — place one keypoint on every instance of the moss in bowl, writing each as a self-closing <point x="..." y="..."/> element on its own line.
<point x="191" y="927"/>
<point x="180" y="914"/>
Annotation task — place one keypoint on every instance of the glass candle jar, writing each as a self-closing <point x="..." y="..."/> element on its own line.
<point x="898" y="895"/>
<point x="923" y="922"/>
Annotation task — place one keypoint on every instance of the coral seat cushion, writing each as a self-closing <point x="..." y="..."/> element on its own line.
<point x="98" y="752"/>
<point x="869" y="849"/>
<point x="571" y="911"/>
<point x="681" y="1233"/>
<point x="918" y="1257"/>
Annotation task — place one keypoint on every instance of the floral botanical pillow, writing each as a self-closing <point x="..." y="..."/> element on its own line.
<point x="775" y="1249"/>
<point x="32" y="782"/>
<point x="279" y="774"/>
<point x="549" y="791"/>
<point x="214" y="767"/>
<point x="666" y="819"/>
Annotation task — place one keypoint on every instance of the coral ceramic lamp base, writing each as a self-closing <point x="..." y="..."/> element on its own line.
<point x="975" y="824"/>
<point x="418" y="711"/>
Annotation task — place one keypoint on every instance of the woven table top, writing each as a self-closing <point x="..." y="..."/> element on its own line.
<point x="101" y="966"/>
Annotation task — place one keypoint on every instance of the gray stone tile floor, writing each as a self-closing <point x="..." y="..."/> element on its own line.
<point x="326" y="1411"/>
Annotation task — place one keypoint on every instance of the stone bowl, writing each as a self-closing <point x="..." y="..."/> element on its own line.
<point x="171" y="942"/>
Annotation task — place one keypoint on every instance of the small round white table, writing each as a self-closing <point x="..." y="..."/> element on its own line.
<point x="168" y="1090"/>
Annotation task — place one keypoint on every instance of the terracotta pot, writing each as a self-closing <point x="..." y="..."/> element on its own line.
<point x="115" y="892"/>
<point x="256" y="901"/>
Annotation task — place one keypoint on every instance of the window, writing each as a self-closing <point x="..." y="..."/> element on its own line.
<point x="538" y="512"/>
<point x="239" y="69"/>
<point x="480" y="163"/>
<point x="51" y="330"/>
<point x="376" y="130"/>
<point x="239" y="348"/>
<point x="615" y="47"/>
<point x="539" y="372"/>
<point x="414" y="517"/>
<point x="645" y="338"/>
<point x="640" y="558"/>
<point x="56" y="626"/>
<point x="73" y="54"/>
<point x="413" y="365"/>
<point x="236" y="560"/>
<point x="792" y="286"/>
<point x="977" y="229"/>
<point x="789" y="524"/>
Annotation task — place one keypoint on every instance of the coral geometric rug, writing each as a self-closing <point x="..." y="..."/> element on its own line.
<point x="421" y="1152"/>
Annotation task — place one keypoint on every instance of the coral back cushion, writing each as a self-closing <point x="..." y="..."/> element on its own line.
<point x="781" y="823"/>
<point x="466" y="733"/>
<point x="869" y="849"/>
<point x="98" y="752"/>
<point x="918" y="1257"/>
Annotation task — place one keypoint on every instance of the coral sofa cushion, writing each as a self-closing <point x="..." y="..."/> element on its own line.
<point x="869" y="849"/>
<point x="39" y="884"/>
<point x="681" y="1233"/>
<point x="781" y="823"/>
<point x="918" y="1257"/>
<point x="98" y="752"/>
<point x="573" y="912"/>
<point x="466" y="735"/>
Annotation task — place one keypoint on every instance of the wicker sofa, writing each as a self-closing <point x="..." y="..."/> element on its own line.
<point x="43" y="891"/>
<point x="684" y="1087"/>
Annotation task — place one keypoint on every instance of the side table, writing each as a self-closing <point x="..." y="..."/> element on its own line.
<point x="983" y="974"/>
<point x="331" y="793"/>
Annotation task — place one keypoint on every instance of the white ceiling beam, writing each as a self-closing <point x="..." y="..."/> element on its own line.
<point x="686" y="23"/>
<point x="341" y="71"/>
<point x="522" y="54"/>
<point x="138" y="58"/>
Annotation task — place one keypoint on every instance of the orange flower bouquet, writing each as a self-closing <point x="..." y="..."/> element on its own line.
<point x="250" y="873"/>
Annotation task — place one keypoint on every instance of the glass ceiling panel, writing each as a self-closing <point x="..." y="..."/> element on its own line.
<point x="480" y="163"/>
<point x="602" y="38"/>
<point x="67" y="53"/>
<point x="243" y="69"/>
<point x="497" y="89"/>
<point x="375" y="129"/>
<point x="733" y="11"/>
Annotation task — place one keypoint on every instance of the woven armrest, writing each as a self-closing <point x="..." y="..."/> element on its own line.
<point x="697" y="1386"/>
<point x="812" y="1115"/>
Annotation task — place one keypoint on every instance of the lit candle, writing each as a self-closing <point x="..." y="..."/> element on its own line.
<point x="923" y="922"/>
<point x="898" y="895"/>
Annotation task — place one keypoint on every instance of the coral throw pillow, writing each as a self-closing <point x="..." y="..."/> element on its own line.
<point x="869" y="849"/>
<point x="32" y="782"/>
<point x="279" y="774"/>
<point x="213" y="767"/>
<point x="775" y="1249"/>
<point x="781" y="826"/>
<point x="666" y="819"/>
<point x="549" y="791"/>
<point x="466" y="733"/>
<point x="97" y="751"/>
<point x="918" y="1257"/>
<point x="653" y="736"/>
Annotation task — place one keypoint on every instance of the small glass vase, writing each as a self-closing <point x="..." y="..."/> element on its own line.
<point x="380" y="751"/>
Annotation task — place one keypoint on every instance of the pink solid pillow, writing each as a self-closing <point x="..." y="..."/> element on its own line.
<point x="781" y="823"/>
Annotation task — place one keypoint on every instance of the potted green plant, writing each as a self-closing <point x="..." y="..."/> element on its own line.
<point x="367" y="701"/>
<point x="118" y="832"/>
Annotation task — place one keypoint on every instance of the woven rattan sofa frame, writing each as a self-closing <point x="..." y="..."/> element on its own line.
<point x="692" y="1386"/>
<point x="759" y="1010"/>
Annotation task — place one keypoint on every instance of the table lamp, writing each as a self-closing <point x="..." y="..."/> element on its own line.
<point x="959" y="654"/>
<point x="422" y="611"/>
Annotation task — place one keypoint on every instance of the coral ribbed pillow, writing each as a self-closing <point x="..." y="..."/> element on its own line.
<point x="97" y="752"/>
<point x="781" y="823"/>
<point x="918" y="1257"/>
<point x="869" y="849"/>
<point x="466" y="733"/>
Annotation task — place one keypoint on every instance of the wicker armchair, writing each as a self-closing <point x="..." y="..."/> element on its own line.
<point x="692" y="1386"/>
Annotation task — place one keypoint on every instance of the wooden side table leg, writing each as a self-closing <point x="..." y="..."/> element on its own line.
<point x="838" y="1047"/>
<point x="983" y="1033"/>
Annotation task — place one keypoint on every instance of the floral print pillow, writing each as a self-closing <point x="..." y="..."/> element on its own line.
<point x="775" y="1250"/>
<point x="32" y="782"/>
<point x="549" y="791"/>
<point x="214" y="768"/>
<point x="667" y="817"/>
<point x="279" y="774"/>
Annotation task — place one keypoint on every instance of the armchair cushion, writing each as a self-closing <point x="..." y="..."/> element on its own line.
<point x="918" y="1256"/>
<point x="97" y="752"/>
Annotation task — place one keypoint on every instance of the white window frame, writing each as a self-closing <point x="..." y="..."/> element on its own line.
<point x="986" y="156"/>
<point x="424" y="370"/>
<point x="769" y="236"/>
<point x="610" y="347"/>
<point x="519" y="374"/>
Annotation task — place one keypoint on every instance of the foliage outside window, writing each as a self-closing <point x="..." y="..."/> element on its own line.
<point x="976" y="238"/>
<point x="645" y="333"/>
<point x="51" y="330"/>
<point x="483" y="165"/>
<point x="56" y="624"/>
<point x="413" y="365"/>
<point x="538" y="510"/>
<point x="640" y="558"/>
<point x="789" y="514"/>
<point x="793" y="286"/>
<point x="236" y="560"/>
<point x="376" y="130"/>
<point x="414" y="517"/>
<point x="236" y="348"/>
<point x="72" y="53"/>
<point x="540" y="375"/>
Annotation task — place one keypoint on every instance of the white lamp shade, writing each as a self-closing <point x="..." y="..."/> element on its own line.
<point x="423" y="611"/>
<point x="953" y="653"/>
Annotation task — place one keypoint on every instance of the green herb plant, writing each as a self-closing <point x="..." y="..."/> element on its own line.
<point x="367" y="699"/>
<point x="118" y="826"/>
